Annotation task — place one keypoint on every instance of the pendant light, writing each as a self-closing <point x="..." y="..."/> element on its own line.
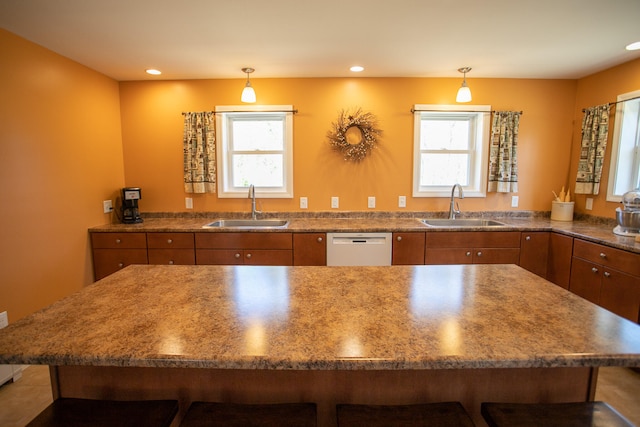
<point x="464" y="93"/>
<point x="248" y="94"/>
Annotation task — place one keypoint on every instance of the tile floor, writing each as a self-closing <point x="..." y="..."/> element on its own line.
<point x="21" y="401"/>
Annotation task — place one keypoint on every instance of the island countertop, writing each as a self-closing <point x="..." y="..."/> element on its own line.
<point x="323" y="318"/>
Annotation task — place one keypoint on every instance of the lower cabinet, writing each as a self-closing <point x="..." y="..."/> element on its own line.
<point x="534" y="250"/>
<point x="171" y="248"/>
<point x="309" y="249"/>
<point x="114" y="251"/>
<point x="559" y="259"/>
<point x="244" y="248"/>
<point x="472" y="247"/>
<point x="408" y="248"/>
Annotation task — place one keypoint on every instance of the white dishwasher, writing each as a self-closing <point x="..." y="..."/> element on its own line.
<point x="358" y="249"/>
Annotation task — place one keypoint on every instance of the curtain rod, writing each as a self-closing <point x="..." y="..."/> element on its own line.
<point x="249" y="111"/>
<point x="459" y="111"/>
<point x="611" y="104"/>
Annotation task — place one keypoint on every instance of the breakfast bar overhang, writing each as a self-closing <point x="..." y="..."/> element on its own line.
<point x="375" y="335"/>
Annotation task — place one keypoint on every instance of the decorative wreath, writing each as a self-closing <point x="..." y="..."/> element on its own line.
<point x="354" y="134"/>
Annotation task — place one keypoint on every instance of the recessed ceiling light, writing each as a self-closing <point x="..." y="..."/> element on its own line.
<point x="633" y="46"/>
<point x="357" y="68"/>
<point x="153" y="72"/>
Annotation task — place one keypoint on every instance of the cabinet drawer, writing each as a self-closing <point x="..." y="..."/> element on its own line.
<point x="246" y="257"/>
<point x="172" y="256"/>
<point x="107" y="261"/>
<point x="448" y="256"/>
<point x="219" y="257"/>
<point x="244" y="240"/>
<point x="170" y="240"/>
<point x="118" y="240"/>
<point x="626" y="262"/>
<point x="473" y="239"/>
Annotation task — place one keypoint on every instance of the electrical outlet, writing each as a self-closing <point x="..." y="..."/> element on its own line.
<point x="514" y="201"/>
<point x="402" y="201"/>
<point x="4" y="320"/>
<point x="304" y="203"/>
<point x="107" y="206"/>
<point x="335" y="202"/>
<point x="371" y="202"/>
<point x="188" y="202"/>
<point x="588" y="204"/>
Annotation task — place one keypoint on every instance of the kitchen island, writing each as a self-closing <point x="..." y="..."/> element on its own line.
<point x="398" y="334"/>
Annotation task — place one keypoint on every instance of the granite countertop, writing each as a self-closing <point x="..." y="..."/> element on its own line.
<point x="598" y="231"/>
<point x="323" y="318"/>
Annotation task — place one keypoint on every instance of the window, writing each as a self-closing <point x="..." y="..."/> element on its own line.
<point x="624" y="169"/>
<point x="450" y="146"/>
<point x="255" y="147"/>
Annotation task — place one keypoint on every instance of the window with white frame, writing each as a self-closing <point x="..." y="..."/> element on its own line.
<point x="255" y="146"/>
<point x="450" y="146"/>
<point x="624" y="169"/>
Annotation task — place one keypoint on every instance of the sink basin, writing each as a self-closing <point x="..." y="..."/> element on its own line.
<point x="248" y="223"/>
<point x="469" y="222"/>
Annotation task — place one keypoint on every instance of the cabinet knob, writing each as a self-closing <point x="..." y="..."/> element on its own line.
<point x="468" y="253"/>
<point x="118" y="240"/>
<point x="399" y="238"/>
<point x="319" y="239"/>
<point x="169" y="241"/>
<point x="479" y="253"/>
<point x="603" y="255"/>
<point x="237" y="255"/>
<point x="595" y="270"/>
<point x="170" y="262"/>
<point x="527" y="238"/>
<point x="248" y="255"/>
<point x="607" y="274"/>
<point x="120" y="264"/>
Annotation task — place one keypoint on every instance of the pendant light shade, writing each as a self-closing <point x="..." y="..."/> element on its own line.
<point x="464" y="93"/>
<point x="248" y="94"/>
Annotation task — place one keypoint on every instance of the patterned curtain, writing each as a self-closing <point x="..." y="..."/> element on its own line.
<point x="199" y="148"/>
<point x="595" y="130"/>
<point x="503" y="154"/>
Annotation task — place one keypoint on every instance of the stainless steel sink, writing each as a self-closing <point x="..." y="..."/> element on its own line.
<point x="248" y="223"/>
<point x="468" y="222"/>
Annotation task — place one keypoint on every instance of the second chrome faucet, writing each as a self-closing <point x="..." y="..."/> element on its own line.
<point x="252" y="196"/>
<point x="454" y="209"/>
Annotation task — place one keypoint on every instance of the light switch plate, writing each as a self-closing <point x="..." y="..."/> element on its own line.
<point x="514" y="201"/>
<point x="589" y="204"/>
<point x="335" y="202"/>
<point x="4" y="320"/>
<point x="402" y="201"/>
<point x="188" y="202"/>
<point x="371" y="202"/>
<point x="304" y="203"/>
<point x="107" y="206"/>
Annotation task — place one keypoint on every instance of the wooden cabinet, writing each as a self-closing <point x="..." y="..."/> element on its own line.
<point x="472" y="247"/>
<point x="244" y="248"/>
<point x="309" y="249"/>
<point x="408" y="248"/>
<point x="559" y="259"/>
<point x="608" y="277"/>
<point x="114" y="251"/>
<point x="171" y="248"/>
<point x="534" y="250"/>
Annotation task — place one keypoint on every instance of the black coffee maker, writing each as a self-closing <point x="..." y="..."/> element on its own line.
<point x="130" y="212"/>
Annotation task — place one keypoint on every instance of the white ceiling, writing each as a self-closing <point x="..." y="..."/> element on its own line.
<point x="203" y="39"/>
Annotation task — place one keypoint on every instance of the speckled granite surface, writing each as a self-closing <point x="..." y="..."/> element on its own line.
<point x="398" y="317"/>
<point x="599" y="231"/>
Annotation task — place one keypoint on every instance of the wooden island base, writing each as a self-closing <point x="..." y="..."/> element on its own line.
<point x="326" y="387"/>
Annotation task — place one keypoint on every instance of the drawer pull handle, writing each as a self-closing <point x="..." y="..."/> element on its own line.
<point x="120" y="264"/>
<point x="399" y="238"/>
<point x="118" y="240"/>
<point x="527" y="238"/>
<point x="237" y="255"/>
<point x="603" y="255"/>
<point x="479" y="253"/>
<point x="248" y="255"/>
<point x="171" y="262"/>
<point x="319" y="239"/>
<point x="169" y="241"/>
<point x="595" y="270"/>
<point x="607" y="274"/>
<point x="468" y="253"/>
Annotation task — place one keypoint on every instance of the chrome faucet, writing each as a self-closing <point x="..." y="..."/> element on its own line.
<point x="252" y="196"/>
<point x="454" y="209"/>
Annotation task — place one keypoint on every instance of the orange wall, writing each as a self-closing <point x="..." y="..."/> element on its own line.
<point x="594" y="90"/>
<point x="60" y="156"/>
<point x="152" y="139"/>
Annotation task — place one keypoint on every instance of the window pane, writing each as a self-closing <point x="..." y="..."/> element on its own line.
<point x="262" y="170"/>
<point x="257" y="134"/>
<point x="444" y="134"/>
<point x="444" y="169"/>
<point x="627" y="174"/>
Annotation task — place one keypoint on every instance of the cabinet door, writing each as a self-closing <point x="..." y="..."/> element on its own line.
<point x="534" y="249"/>
<point x="448" y="256"/>
<point x="585" y="279"/>
<point x="219" y="256"/>
<point x="108" y="261"/>
<point x="172" y="256"/>
<point x="408" y="249"/>
<point x="620" y="293"/>
<point x="309" y="249"/>
<point x="559" y="260"/>
<point x="496" y="256"/>
<point x="268" y="257"/>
